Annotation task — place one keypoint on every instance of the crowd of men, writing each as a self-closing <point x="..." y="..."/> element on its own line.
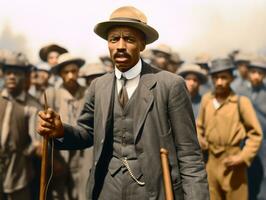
<point x="227" y="100"/>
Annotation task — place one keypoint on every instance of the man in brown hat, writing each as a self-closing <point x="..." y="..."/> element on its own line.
<point x="128" y="115"/>
<point x="67" y="100"/>
<point x="18" y="141"/>
<point x="225" y="122"/>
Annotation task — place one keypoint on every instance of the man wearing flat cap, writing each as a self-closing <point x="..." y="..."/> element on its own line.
<point x="67" y="100"/>
<point x="255" y="90"/>
<point x="18" y="142"/>
<point x="230" y="131"/>
<point x="194" y="77"/>
<point x="128" y="116"/>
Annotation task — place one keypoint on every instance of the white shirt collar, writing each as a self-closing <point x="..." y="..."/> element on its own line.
<point x="130" y="74"/>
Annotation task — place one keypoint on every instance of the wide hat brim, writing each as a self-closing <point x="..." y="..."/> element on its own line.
<point x="47" y="49"/>
<point x="150" y="33"/>
<point x="221" y="69"/>
<point x="202" y="77"/>
<point x="57" y="68"/>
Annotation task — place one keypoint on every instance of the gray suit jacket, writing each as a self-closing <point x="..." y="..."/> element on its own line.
<point x="164" y="119"/>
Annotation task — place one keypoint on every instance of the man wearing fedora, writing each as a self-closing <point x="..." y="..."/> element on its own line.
<point x="128" y="116"/>
<point x="194" y="77"/>
<point x="226" y="120"/>
<point x="255" y="90"/>
<point x="67" y="100"/>
<point x="18" y="142"/>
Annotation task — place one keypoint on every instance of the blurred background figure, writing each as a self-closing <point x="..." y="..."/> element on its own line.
<point x="203" y="60"/>
<point x="147" y="55"/>
<point x="108" y="63"/>
<point x="194" y="77"/>
<point x="175" y="62"/>
<point x="50" y="54"/>
<point x="241" y="61"/>
<point x="67" y="100"/>
<point x="19" y="144"/>
<point x="92" y="70"/>
<point x="43" y="73"/>
<point x="226" y="121"/>
<point x="255" y="90"/>
<point x="162" y="55"/>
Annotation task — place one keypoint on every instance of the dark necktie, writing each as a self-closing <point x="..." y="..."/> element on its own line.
<point x="123" y="97"/>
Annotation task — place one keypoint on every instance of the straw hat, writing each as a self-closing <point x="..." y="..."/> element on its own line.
<point x="65" y="59"/>
<point x="127" y="16"/>
<point x="14" y="60"/>
<point x="193" y="69"/>
<point x="49" y="48"/>
<point x="92" y="69"/>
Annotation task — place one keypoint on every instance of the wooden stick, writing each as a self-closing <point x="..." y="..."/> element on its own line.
<point x="43" y="181"/>
<point x="166" y="175"/>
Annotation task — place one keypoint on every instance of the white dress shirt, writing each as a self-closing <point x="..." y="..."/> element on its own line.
<point x="132" y="76"/>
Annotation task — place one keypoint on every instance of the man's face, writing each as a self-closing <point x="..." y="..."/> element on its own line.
<point x="15" y="80"/>
<point x="256" y="76"/>
<point x="222" y="81"/>
<point x="242" y="68"/>
<point x="43" y="77"/>
<point x="161" y="60"/>
<point x="69" y="74"/>
<point x="192" y="83"/>
<point x="125" y="45"/>
<point x="52" y="58"/>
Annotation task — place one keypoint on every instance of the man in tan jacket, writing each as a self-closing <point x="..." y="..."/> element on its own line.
<point x="225" y="121"/>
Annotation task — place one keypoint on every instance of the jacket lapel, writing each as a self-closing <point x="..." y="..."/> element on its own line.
<point x="145" y="97"/>
<point x="106" y="99"/>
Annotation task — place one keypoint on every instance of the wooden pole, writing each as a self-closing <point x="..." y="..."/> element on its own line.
<point x="166" y="175"/>
<point x="43" y="181"/>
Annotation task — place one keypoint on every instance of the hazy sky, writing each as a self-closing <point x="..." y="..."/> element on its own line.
<point x="190" y="26"/>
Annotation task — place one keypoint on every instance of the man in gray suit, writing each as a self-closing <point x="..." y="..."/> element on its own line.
<point x="128" y="115"/>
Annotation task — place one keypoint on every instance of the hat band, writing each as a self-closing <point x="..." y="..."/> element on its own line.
<point x="127" y="19"/>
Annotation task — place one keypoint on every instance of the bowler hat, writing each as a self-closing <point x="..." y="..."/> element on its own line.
<point x="49" y="48"/>
<point x="127" y="16"/>
<point x="65" y="59"/>
<point x="221" y="64"/>
<point x="15" y="60"/>
<point x="193" y="69"/>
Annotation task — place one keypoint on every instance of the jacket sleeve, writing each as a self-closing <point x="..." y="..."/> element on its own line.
<point x="80" y="136"/>
<point x="253" y="130"/>
<point x="192" y="167"/>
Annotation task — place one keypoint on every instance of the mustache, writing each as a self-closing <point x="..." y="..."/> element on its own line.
<point x="121" y="54"/>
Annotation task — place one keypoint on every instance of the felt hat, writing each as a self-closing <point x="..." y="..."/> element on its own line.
<point x="221" y="64"/>
<point x="127" y="16"/>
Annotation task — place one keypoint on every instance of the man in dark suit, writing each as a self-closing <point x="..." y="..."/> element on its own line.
<point x="128" y="115"/>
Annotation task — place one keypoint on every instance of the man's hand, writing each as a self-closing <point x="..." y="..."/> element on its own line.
<point x="203" y="142"/>
<point x="50" y="124"/>
<point x="233" y="160"/>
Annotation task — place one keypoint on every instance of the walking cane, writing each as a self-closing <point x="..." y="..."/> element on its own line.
<point x="166" y="175"/>
<point x="43" y="181"/>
